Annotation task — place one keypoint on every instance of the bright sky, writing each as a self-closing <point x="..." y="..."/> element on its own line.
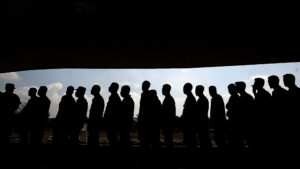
<point x="57" y="80"/>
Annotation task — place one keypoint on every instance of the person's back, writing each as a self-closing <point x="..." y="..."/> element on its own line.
<point x="168" y="119"/>
<point x="66" y="109"/>
<point x="187" y="118"/>
<point x="153" y="118"/>
<point x="168" y="111"/>
<point x="112" y="107"/>
<point x="9" y="104"/>
<point x="44" y="105"/>
<point x="27" y="118"/>
<point x="80" y="115"/>
<point x="95" y="116"/>
<point x="40" y="118"/>
<point x="217" y="115"/>
<point x="218" y="112"/>
<point x="112" y="113"/>
<point x="201" y="117"/>
<point x="126" y="116"/>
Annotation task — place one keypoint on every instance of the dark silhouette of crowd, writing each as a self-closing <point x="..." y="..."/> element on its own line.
<point x="248" y="121"/>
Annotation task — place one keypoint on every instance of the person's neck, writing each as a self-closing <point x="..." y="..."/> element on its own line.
<point x="277" y="87"/>
<point x="293" y="87"/>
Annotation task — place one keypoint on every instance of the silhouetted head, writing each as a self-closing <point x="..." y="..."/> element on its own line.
<point x="42" y="91"/>
<point x="166" y="89"/>
<point x="125" y="90"/>
<point x="273" y="81"/>
<point x="70" y="90"/>
<point x="232" y="89"/>
<point x="95" y="90"/>
<point x="212" y="91"/>
<point x="289" y="80"/>
<point x="80" y="91"/>
<point x="113" y="88"/>
<point x="199" y="90"/>
<point x="145" y="86"/>
<point x="187" y="88"/>
<point x="32" y="92"/>
<point x="259" y="83"/>
<point x="153" y="94"/>
<point x="9" y="88"/>
<point x="240" y="86"/>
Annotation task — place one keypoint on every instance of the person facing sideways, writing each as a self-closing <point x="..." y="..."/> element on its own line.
<point x="95" y="116"/>
<point x="290" y="118"/>
<point x="246" y="116"/>
<point x="80" y="115"/>
<point x="63" y="119"/>
<point x="143" y="113"/>
<point x="201" y="110"/>
<point x="217" y="115"/>
<point x="188" y="117"/>
<point x="279" y="106"/>
<point x="168" y="115"/>
<point x="112" y="114"/>
<point x="27" y="116"/>
<point x="126" y="116"/>
<point x="153" y="119"/>
<point x="234" y="117"/>
<point x="40" y="119"/>
<point x="9" y="104"/>
<point x="262" y="110"/>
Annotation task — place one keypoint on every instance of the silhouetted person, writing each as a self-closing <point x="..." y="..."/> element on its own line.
<point x="95" y="117"/>
<point x="40" y="119"/>
<point x="9" y="104"/>
<point x="168" y="115"/>
<point x="279" y="107"/>
<point x="201" y="119"/>
<point x="153" y="120"/>
<point x="234" y="117"/>
<point x="293" y="108"/>
<point x="126" y="116"/>
<point x="27" y="115"/>
<point x="112" y="113"/>
<point x="262" y="105"/>
<point x="246" y="113"/>
<point x="63" y="120"/>
<point x="143" y="112"/>
<point x="188" y="117"/>
<point x="79" y="115"/>
<point x="217" y="115"/>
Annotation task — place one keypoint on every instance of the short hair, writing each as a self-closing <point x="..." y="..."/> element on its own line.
<point x="80" y="88"/>
<point x="260" y="81"/>
<point x="231" y="86"/>
<point x="43" y="89"/>
<point x="70" y="88"/>
<point x="33" y="90"/>
<point x="114" y="86"/>
<point x="213" y="88"/>
<point x="240" y="85"/>
<point x="167" y="87"/>
<point x="200" y="87"/>
<point x="274" y="79"/>
<point x="97" y="88"/>
<point x="290" y="77"/>
<point x="188" y="86"/>
<point x="146" y="83"/>
<point x="126" y="89"/>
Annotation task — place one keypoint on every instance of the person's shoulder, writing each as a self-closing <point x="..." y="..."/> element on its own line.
<point x="15" y="96"/>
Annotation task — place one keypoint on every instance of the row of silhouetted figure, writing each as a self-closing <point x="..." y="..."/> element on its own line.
<point x="250" y="121"/>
